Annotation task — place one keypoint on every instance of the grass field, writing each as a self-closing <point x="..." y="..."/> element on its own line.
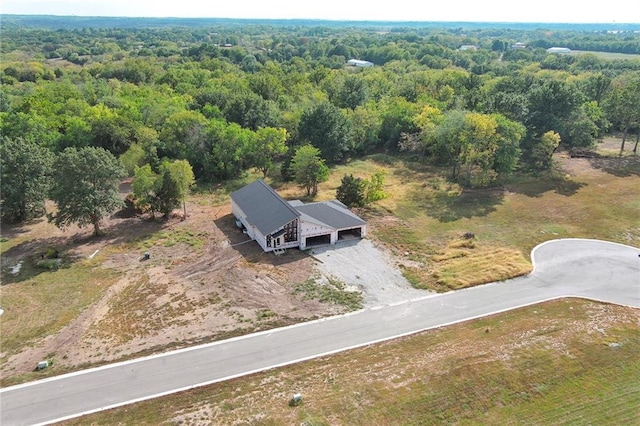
<point x="563" y="362"/>
<point x="610" y="56"/>
<point x="580" y="198"/>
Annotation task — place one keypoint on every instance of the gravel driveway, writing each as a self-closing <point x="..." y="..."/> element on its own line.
<point x="358" y="263"/>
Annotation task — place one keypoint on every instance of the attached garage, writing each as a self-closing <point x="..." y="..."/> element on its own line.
<point x="318" y="240"/>
<point x="328" y="219"/>
<point x="350" y="234"/>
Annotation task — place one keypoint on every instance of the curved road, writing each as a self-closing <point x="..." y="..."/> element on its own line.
<point x="589" y="269"/>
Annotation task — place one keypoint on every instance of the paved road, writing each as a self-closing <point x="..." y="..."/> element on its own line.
<point x="581" y="268"/>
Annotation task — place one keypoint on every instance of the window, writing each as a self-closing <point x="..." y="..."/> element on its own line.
<point x="291" y="232"/>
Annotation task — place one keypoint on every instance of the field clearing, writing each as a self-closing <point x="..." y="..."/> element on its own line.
<point x="425" y="217"/>
<point x="563" y="362"/>
<point x="607" y="55"/>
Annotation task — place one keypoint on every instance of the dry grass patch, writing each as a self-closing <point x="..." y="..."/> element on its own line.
<point x="466" y="262"/>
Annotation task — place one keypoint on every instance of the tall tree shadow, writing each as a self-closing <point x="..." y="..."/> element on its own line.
<point x="451" y="206"/>
<point x="617" y="166"/>
<point x="536" y="187"/>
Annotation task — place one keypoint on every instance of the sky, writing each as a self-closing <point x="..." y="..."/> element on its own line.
<point x="620" y="11"/>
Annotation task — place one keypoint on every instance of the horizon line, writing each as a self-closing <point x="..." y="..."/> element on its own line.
<point x="323" y="19"/>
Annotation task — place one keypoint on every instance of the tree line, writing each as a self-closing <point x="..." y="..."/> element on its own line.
<point x="227" y="98"/>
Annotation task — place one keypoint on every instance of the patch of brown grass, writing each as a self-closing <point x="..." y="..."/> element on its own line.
<point x="465" y="262"/>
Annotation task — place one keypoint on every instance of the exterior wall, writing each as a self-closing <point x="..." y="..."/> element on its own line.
<point x="262" y="240"/>
<point x="256" y="235"/>
<point x="309" y="229"/>
<point x="239" y="214"/>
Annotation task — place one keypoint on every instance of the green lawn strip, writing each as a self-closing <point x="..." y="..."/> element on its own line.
<point x="171" y="237"/>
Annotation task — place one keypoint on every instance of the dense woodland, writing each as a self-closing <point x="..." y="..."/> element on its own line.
<point x="224" y="96"/>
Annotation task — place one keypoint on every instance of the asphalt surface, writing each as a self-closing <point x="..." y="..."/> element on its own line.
<point x="563" y="268"/>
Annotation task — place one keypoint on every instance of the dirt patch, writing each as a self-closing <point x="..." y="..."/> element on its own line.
<point x="204" y="280"/>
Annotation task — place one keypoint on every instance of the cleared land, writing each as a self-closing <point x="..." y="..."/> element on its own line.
<point x="204" y="283"/>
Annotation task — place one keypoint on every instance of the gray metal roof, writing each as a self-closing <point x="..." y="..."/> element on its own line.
<point x="265" y="209"/>
<point x="331" y="213"/>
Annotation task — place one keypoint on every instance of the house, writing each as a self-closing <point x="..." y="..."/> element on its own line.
<point x="359" y="63"/>
<point x="558" y="50"/>
<point x="275" y="223"/>
<point x="468" y="47"/>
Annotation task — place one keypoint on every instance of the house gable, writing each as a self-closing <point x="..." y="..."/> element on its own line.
<point x="263" y="208"/>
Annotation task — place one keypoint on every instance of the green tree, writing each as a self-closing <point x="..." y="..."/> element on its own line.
<point x="110" y="130"/>
<point x="352" y="92"/>
<point x="162" y="192"/>
<point x="308" y="168"/>
<point x="182" y="173"/>
<point x="542" y="152"/>
<point x="184" y="136"/>
<point x="365" y="124"/>
<point x="478" y="142"/>
<point x="553" y="105"/>
<point x="132" y="158"/>
<point x="351" y="191"/>
<point x="145" y="183"/>
<point x="446" y="145"/>
<point x="427" y="121"/>
<point x="327" y="128"/>
<point x="373" y="188"/>
<point x="167" y="194"/>
<point x="85" y="187"/>
<point x="230" y="153"/>
<point x="269" y="144"/>
<point x="25" y="171"/>
<point x="621" y="104"/>
<point x="508" y="152"/>
<point x="397" y="116"/>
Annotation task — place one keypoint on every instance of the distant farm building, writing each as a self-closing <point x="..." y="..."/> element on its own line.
<point x="558" y="50"/>
<point x="359" y="63"/>
<point x="468" y="47"/>
<point x="276" y="224"/>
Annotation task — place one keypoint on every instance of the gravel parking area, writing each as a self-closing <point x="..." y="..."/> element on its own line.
<point x="358" y="263"/>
